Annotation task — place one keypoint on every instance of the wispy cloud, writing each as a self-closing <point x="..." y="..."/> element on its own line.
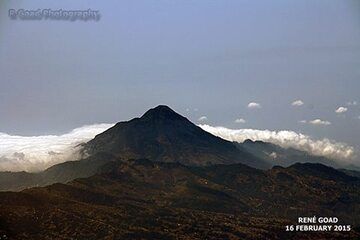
<point x="341" y="110"/>
<point x="352" y="103"/>
<point x="316" y="122"/>
<point x="202" y="119"/>
<point x="319" y="122"/>
<point x="254" y="105"/>
<point x="240" y="120"/>
<point x="297" y="103"/>
<point x="189" y="109"/>
<point x="19" y="153"/>
<point x="287" y="139"/>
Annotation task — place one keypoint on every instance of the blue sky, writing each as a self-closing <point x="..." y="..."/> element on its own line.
<point x="210" y="57"/>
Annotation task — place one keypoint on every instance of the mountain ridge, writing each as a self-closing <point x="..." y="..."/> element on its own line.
<point x="142" y="199"/>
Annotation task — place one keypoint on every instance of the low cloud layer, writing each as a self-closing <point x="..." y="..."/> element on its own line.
<point x="19" y="153"/>
<point x="323" y="147"/>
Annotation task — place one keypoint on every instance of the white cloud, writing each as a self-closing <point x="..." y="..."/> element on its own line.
<point x="319" y="122"/>
<point x="254" y="105"/>
<point x="240" y="120"/>
<point x="287" y="139"/>
<point x="352" y="103"/>
<point x="341" y="110"/>
<point x="19" y="153"/>
<point x="202" y="119"/>
<point x="297" y="103"/>
<point x="302" y="121"/>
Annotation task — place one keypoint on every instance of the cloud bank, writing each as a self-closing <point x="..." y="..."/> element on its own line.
<point x="19" y="153"/>
<point x="324" y="147"/>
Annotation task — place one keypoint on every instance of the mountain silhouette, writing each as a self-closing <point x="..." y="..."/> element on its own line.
<point x="163" y="135"/>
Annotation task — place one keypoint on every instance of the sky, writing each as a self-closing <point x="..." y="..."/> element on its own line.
<point x="268" y="65"/>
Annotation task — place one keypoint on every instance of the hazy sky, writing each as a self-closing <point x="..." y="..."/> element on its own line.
<point x="203" y="58"/>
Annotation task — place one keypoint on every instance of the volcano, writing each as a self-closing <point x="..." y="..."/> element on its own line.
<point x="162" y="135"/>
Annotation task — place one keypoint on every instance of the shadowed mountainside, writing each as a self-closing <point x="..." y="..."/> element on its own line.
<point x="59" y="173"/>
<point x="165" y="136"/>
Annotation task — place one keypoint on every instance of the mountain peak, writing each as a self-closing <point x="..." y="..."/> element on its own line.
<point x="162" y="135"/>
<point x="161" y="112"/>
